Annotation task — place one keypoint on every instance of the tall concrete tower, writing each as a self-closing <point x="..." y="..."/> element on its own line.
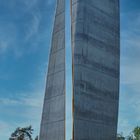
<point x="53" y="116"/>
<point x="96" y="62"/>
<point x="95" y="72"/>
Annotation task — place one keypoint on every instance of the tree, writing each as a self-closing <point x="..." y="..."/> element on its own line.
<point x="22" y="134"/>
<point x="120" y="137"/>
<point x="136" y="133"/>
<point x="130" y="137"/>
<point x="36" y="138"/>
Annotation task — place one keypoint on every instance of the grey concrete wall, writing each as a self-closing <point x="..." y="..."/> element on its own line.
<point x="96" y="62"/>
<point x="53" y="116"/>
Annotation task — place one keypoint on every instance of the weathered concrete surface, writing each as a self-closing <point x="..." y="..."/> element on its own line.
<point x="53" y="116"/>
<point x="96" y="61"/>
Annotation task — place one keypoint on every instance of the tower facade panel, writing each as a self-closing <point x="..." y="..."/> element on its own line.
<point x="53" y="116"/>
<point x="96" y="60"/>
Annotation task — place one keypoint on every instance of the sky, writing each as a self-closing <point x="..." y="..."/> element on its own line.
<point x="129" y="112"/>
<point x="25" y="37"/>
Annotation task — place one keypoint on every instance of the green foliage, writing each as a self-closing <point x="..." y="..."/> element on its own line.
<point x="136" y="133"/>
<point x="22" y="134"/>
<point x="120" y="137"/>
<point x="130" y="137"/>
<point x="36" y="138"/>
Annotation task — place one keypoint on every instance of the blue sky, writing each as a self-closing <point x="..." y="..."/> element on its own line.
<point x="25" y="34"/>
<point x="129" y="113"/>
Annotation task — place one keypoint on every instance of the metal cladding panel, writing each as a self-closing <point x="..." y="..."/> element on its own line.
<point x="53" y="116"/>
<point x="96" y="62"/>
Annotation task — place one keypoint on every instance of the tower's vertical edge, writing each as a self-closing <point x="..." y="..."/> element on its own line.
<point x="96" y="68"/>
<point x="53" y="116"/>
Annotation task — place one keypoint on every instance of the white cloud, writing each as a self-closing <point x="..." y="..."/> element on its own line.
<point x="21" y="33"/>
<point x="31" y="100"/>
<point x="33" y="26"/>
<point x="3" y="125"/>
<point x="129" y="112"/>
<point x="5" y="129"/>
<point x="31" y="110"/>
<point x="3" y="46"/>
<point x="11" y="30"/>
<point x="124" y="126"/>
